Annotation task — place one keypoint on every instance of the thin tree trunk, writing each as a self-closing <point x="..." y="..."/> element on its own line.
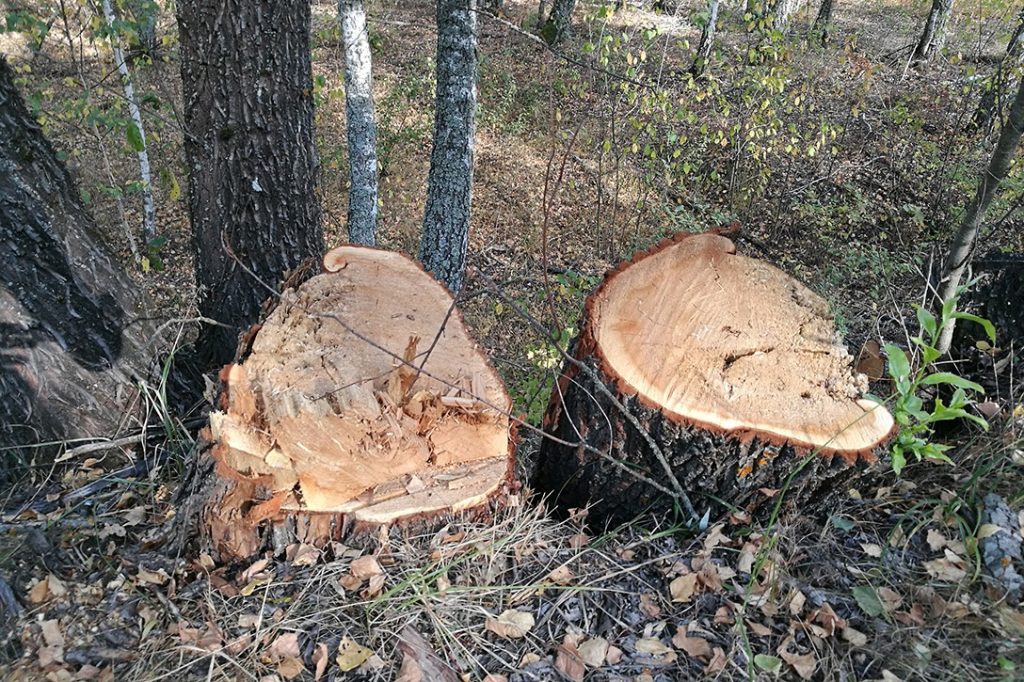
<point x="248" y="91"/>
<point x="823" y="22"/>
<point x="360" y="123"/>
<point x="707" y="41"/>
<point x="148" y="207"/>
<point x="964" y="241"/>
<point x="450" y="182"/>
<point x="781" y="11"/>
<point x="991" y="99"/>
<point x="68" y="357"/>
<point x="558" y="25"/>
<point x="934" y="34"/>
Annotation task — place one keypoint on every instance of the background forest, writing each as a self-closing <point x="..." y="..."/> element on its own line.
<point x="846" y="140"/>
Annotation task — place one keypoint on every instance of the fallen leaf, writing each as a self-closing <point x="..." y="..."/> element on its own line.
<point x="651" y="645"/>
<point x="614" y="655"/>
<point x="250" y="573"/>
<point x="855" y="637"/>
<point x="945" y="570"/>
<point x="285" y="646"/>
<point x="803" y="664"/>
<point x="495" y="677"/>
<point x="649" y="605"/>
<point x="290" y="667"/>
<point x="562" y="575"/>
<point x="935" y="539"/>
<point x="871" y="549"/>
<point x="797" y="602"/>
<point x="51" y="633"/>
<point x="365" y="567"/>
<point x="302" y="555"/>
<point x="759" y="629"/>
<point x="579" y="541"/>
<point x="351" y="655"/>
<point x="593" y="651"/>
<point x="717" y="663"/>
<point x="695" y="647"/>
<point x="868" y="601"/>
<point x="419" y="659"/>
<point x="320" y="660"/>
<point x="769" y="664"/>
<point x="511" y="624"/>
<point x="569" y="662"/>
<point x="891" y="599"/>
<point x="374" y="587"/>
<point x="683" y="588"/>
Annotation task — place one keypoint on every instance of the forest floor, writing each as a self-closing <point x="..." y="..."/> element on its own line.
<point x="888" y="585"/>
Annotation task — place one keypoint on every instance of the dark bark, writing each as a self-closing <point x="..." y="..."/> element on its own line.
<point x="934" y="34"/>
<point x="707" y="40"/>
<point x="823" y="22"/>
<point x="991" y="103"/>
<point x="705" y="463"/>
<point x="68" y="358"/>
<point x="963" y="243"/>
<point x="558" y="25"/>
<point x="360" y="124"/>
<point x="450" y="181"/>
<point x="251" y="153"/>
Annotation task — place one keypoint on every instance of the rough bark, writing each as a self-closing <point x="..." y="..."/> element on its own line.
<point x="823" y="22"/>
<point x="707" y="41"/>
<point x="148" y="207"/>
<point x="933" y="36"/>
<point x="360" y="124"/>
<point x="72" y="347"/>
<point x="963" y="242"/>
<point x="648" y="371"/>
<point x="450" y="181"/>
<point x="781" y="11"/>
<point x="251" y="153"/>
<point x="559" y="23"/>
<point x="362" y="403"/>
<point x="991" y="103"/>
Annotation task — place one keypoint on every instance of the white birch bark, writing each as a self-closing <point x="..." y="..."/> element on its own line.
<point x="148" y="207"/>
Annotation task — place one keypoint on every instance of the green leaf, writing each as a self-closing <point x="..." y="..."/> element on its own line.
<point x="841" y="522"/>
<point x="769" y="664"/>
<point x="927" y="322"/>
<point x="990" y="329"/>
<point x="899" y="365"/>
<point x="898" y="460"/>
<point x="952" y="380"/>
<point x="134" y="137"/>
<point x="868" y="601"/>
<point x="157" y="242"/>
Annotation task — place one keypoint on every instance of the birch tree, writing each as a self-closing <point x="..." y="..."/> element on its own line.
<point x="450" y="180"/>
<point x="248" y="89"/>
<point x="933" y="36"/>
<point x="360" y="124"/>
<point x="707" y="41"/>
<point x="963" y="243"/>
<point x="136" y="133"/>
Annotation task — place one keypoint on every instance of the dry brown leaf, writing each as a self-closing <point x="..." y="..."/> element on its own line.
<point x="797" y="602"/>
<point x="723" y="616"/>
<point x="651" y="645"/>
<point x="759" y="629"/>
<point x="683" y="588"/>
<point x="410" y="670"/>
<point x="890" y="599"/>
<point x="695" y="647"/>
<point x="320" y="660"/>
<point x="562" y="575"/>
<point x="290" y="667"/>
<point x="152" y="577"/>
<point x="250" y="574"/>
<point x="419" y="661"/>
<point x="935" y="539"/>
<point x="593" y="651"/>
<point x="51" y="633"/>
<point x="495" y="677"/>
<point x="39" y="592"/>
<point x="351" y="655"/>
<point x="302" y="555"/>
<point x="745" y="561"/>
<point x="803" y="664"/>
<point x="855" y="637"/>
<point x="48" y="655"/>
<point x="365" y="567"/>
<point x="569" y="662"/>
<point x="285" y="646"/>
<point x="238" y="644"/>
<point x="649" y="605"/>
<point x="715" y="537"/>
<point x="945" y="569"/>
<point x="717" y="663"/>
<point x="579" y="541"/>
<point x="827" y="618"/>
<point x="511" y="624"/>
<point x="614" y="655"/>
<point x="374" y="587"/>
<point x="871" y="549"/>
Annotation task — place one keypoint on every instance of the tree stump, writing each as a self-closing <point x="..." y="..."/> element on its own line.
<point x="362" y="403"/>
<point x="731" y="367"/>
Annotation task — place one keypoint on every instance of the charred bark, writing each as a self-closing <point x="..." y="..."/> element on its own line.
<point x="251" y="153"/>
<point x="360" y="124"/>
<point x="72" y="347"/>
<point x="450" y="181"/>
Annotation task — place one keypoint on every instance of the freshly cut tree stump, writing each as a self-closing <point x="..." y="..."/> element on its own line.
<point x="731" y="367"/>
<point x="323" y="435"/>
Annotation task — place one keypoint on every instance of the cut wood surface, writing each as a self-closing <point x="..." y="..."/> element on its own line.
<point x="321" y="426"/>
<point x="732" y="367"/>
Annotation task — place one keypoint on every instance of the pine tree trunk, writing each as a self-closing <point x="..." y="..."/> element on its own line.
<point x="823" y="22"/>
<point x="966" y="237"/>
<point x="559" y="24"/>
<point x="360" y="124"/>
<point x="707" y="41"/>
<point x="72" y="346"/>
<point x="450" y="181"/>
<point x="934" y="34"/>
<point x="702" y="375"/>
<point x="991" y="99"/>
<point x="251" y="153"/>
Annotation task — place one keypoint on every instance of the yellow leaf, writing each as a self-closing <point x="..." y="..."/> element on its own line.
<point x="351" y="655"/>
